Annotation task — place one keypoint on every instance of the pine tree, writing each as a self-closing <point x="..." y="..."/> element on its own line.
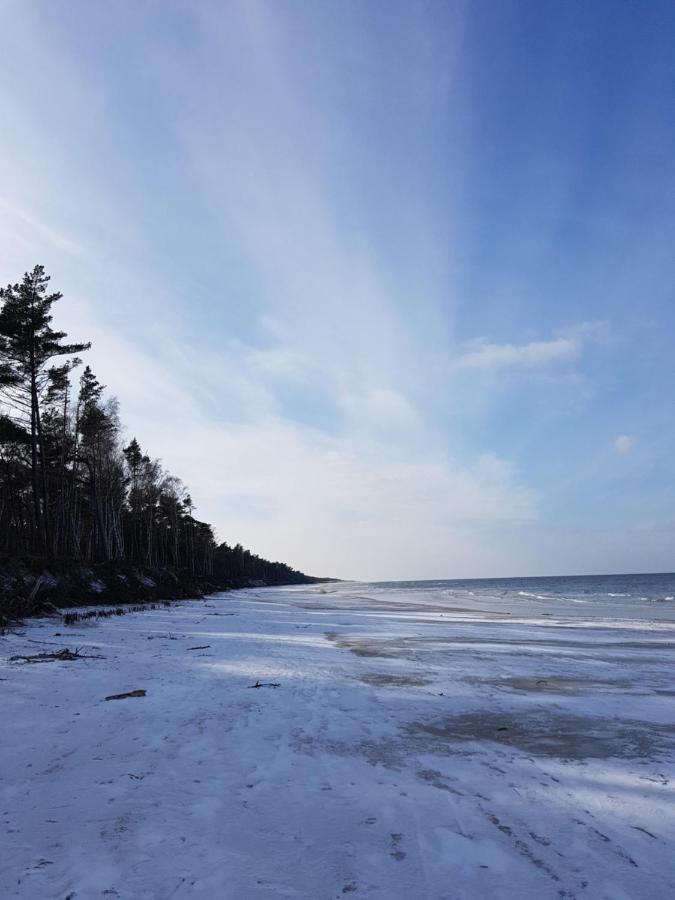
<point x="133" y="457"/>
<point x="57" y="429"/>
<point x="27" y="344"/>
<point x="98" y="450"/>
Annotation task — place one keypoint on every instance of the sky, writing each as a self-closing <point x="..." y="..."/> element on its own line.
<point x="389" y="285"/>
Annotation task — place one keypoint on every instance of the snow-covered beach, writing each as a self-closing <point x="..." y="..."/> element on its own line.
<point x="415" y="747"/>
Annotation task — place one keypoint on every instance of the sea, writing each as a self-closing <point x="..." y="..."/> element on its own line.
<point x="644" y="597"/>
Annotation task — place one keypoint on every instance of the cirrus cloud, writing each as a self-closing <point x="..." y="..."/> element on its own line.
<point x="485" y="356"/>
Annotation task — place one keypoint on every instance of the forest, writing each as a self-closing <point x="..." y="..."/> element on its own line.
<point x="71" y="487"/>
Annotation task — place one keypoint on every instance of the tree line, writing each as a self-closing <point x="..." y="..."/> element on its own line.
<point x="69" y="485"/>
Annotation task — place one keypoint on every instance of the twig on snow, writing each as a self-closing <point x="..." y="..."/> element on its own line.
<point x="65" y="654"/>
<point x="139" y="693"/>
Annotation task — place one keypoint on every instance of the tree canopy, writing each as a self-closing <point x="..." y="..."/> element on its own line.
<point x="69" y="485"/>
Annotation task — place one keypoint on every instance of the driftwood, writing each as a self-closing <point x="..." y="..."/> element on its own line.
<point x="65" y="654"/>
<point x="73" y="617"/>
<point x="272" y="684"/>
<point x="124" y="696"/>
<point x="204" y="647"/>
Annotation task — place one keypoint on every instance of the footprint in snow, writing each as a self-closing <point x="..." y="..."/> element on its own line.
<point x="394" y="850"/>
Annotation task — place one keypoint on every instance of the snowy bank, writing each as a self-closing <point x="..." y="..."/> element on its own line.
<point x="31" y="585"/>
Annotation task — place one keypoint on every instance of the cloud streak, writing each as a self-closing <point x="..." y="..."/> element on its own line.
<point x="483" y="356"/>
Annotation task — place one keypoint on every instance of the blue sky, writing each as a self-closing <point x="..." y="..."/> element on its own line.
<point x="389" y="285"/>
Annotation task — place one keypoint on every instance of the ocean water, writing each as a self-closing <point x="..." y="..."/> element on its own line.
<point x="646" y="597"/>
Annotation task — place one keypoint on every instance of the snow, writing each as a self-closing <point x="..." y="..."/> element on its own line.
<point x="410" y="751"/>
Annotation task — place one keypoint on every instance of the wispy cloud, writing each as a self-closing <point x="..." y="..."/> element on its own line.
<point x="484" y="356"/>
<point x="24" y="227"/>
<point x="379" y="407"/>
